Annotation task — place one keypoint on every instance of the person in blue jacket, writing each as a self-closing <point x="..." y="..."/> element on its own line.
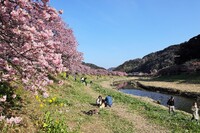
<point x="108" y="101"/>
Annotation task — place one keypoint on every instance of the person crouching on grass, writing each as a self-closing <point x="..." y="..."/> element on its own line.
<point x="108" y="101"/>
<point x="170" y="104"/>
<point x="99" y="101"/>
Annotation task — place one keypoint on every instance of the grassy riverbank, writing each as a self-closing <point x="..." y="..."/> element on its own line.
<point x="64" y="111"/>
<point x="178" y="122"/>
<point x="183" y="82"/>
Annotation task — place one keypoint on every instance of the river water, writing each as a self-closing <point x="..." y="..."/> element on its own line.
<point x="181" y="103"/>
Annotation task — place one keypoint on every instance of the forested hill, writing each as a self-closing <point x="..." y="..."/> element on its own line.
<point x="93" y="66"/>
<point x="151" y="62"/>
<point x="189" y="50"/>
<point x="180" y="58"/>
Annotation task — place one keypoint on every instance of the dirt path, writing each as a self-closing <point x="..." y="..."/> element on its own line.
<point x="140" y="124"/>
<point x="95" y="126"/>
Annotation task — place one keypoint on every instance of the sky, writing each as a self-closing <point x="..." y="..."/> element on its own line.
<point x="110" y="32"/>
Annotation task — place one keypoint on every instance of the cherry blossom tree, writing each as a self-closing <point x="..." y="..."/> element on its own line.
<point x="34" y="42"/>
<point x="66" y="44"/>
<point x="83" y="69"/>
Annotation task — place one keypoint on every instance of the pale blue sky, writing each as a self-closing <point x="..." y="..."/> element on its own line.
<point x="110" y="32"/>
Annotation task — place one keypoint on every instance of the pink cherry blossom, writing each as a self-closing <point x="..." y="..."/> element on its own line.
<point x="60" y="11"/>
<point x="45" y="95"/>
<point x="45" y="1"/>
<point x="14" y="96"/>
<point x="3" y="99"/>
<point x="15" y="120"/>
<point x="35" y="43"/>
<point x="2" y="118"/>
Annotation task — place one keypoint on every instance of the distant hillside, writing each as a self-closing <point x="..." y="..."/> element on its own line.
<point x="111" y="69"/>
<point x="151" y="62"/>
<point x="129" y="66"/>
<point x="187" y="59"/>
<point x="92" y="66"/>
<point x="174" y="59"/>
<point x="189" y="50"/>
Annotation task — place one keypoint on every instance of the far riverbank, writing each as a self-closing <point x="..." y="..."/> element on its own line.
<point x="176" y="87"/>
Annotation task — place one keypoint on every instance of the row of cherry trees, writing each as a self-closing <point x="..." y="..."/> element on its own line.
<point x="34" y="41"/>
<point x="88" y="70"/>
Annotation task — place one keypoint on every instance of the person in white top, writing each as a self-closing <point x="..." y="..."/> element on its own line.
<point x="195" y="109"/>
<point x="99" y="101"/>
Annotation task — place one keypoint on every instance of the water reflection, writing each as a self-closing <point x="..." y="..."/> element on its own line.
<point x="181" y="103"/>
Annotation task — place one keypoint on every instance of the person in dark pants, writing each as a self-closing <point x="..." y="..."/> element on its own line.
<point x="85" y="81"/>
<point x="170" y="104"/>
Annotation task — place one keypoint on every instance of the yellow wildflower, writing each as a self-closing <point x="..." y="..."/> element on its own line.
<point x="54" y="99"/>
<point x="41" y="105"/>
<point x="37" y="97"/>
<point x="61" y="104"/>
<point x="50" y="101"/>
<point x="45" y="125"/>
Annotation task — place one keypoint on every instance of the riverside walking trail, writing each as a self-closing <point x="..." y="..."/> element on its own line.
<point x="142" y="114"/>
<point x="64" y="111"/>
<point x="139" y="123"/>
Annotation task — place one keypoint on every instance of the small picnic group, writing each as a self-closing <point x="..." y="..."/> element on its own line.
<point x="101" y="103"/>
<point x="194" y="108"/>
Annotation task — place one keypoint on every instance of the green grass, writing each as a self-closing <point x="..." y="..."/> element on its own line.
<point x="182" y="78"/>
<point x="115" y="123"/>
<point x="63" y="110"/>
<point x="77" y="100"/>
<point x="180" y="122"/>
<point x="63" y="106"/>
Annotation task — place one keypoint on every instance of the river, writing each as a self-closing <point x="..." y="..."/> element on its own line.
<point x="181" y="103"/>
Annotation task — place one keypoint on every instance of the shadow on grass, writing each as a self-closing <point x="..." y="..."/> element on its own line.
<point x="94" y="104"/>
<point x="13" y="102"/>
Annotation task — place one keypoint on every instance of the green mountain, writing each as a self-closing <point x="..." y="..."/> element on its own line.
<point x="92" y="66"/>
<point x="151" y="62"/>
<point x="175" y="59"/>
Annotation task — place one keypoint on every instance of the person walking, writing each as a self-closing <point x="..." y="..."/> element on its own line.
<point x="170" y="104"/>
<point x="195" y="114"/>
